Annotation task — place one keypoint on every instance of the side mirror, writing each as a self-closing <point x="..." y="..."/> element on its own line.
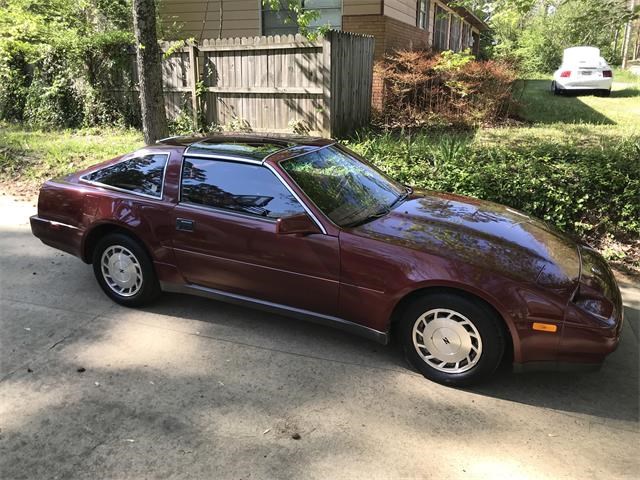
<point x="300" y="224"/>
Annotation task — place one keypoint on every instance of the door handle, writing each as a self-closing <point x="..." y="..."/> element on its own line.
<point x="185" y="225"/>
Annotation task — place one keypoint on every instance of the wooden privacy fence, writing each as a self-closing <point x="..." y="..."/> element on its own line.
<point x="277" y="84"/>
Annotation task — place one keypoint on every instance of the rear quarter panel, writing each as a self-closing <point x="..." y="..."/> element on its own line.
<point x="85" y="208"/>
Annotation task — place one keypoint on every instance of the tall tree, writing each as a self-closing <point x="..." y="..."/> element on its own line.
<point x="149" y="59"/>
<point x="627" y="34"/>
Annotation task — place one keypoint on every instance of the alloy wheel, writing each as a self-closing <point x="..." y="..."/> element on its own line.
<point x="447" y="341"/>
<point x="121" y="270"/>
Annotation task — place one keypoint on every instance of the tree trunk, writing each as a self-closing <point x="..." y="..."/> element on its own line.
<point x="149" y="59"/>
<point x="627" y="36"/>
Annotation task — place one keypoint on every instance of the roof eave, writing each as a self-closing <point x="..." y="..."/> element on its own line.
<point x="469" y="17"/>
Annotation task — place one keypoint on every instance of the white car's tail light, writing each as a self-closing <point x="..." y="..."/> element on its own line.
<point x="565" y="74"/>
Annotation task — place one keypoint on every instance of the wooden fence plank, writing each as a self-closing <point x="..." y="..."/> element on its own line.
<point x="272" y="82"/>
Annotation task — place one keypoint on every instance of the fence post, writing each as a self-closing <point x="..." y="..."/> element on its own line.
<point x="194" y="77"/>
<point x="326" y="85"/>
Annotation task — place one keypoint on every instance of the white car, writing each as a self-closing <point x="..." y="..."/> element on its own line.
<point x="583" y="69"/>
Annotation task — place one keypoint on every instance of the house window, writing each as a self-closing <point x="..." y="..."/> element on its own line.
<point x="454" y="37"/>
<point x="441" y="29"/>
<point x="422" y="17"/>
<point x="283" y="21"/>
<point x="466" y="36"/>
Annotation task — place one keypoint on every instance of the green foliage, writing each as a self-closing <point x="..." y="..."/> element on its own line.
<point x="61" y="62"/>
<point x="451" y="61"/>
<point x="586" y="191"/>
<point x="14" y="84"/>
<point x="51" y="97"/>
<point x="298" y="14"/>
<point x="177" y="46"/>
<point x="535" y="32"/>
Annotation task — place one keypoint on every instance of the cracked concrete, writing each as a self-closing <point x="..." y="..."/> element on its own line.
<point x="192" y="388"/>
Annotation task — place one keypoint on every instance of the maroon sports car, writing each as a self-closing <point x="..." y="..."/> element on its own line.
<point x="305" y="227"/>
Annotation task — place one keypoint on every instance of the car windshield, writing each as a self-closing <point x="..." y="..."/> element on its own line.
<point x="346" y="189"/>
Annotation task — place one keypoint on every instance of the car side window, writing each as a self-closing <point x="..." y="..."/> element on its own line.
<point x="236" y="186"/>
<point x="142" y="174"/>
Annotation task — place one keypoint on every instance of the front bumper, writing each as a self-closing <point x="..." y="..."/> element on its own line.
<point x="591" y="325"/>
<point x="588" y="337"/>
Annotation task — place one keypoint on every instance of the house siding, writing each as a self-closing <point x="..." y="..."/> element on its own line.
<point x="201" y="19"/>
<point x="362" y="7"/>
<point x="402" y="10"/>
<point x="391" y="22"/>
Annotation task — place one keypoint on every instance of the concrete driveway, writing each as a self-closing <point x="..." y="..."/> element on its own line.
<point x="192" y="388"/>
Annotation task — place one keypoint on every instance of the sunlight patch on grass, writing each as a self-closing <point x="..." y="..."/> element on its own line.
<point x="540" y="106"/>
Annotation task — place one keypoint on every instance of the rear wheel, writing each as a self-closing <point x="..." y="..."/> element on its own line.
<point x="452" y="339"/>
<point x="554" y="88"/>
<point x="604" y="93"/>
<point x="124" y="270"/>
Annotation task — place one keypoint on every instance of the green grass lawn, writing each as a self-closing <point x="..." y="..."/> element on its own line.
<point x="28" y="157"/>
<point x="622" y="109"/>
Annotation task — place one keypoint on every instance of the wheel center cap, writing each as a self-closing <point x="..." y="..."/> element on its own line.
<point x="121" y="271"/>
<point x="446" y="341"/>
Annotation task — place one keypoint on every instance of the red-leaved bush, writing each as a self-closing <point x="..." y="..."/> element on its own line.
<point x="422" y="88"/>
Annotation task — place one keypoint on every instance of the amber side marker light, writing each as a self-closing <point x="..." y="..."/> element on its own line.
<point x="545" y="327"/>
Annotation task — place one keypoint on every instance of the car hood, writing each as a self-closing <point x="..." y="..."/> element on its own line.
<point x="482" y="233"/>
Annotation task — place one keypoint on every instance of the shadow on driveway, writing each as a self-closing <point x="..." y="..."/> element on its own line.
<point x="612" y="392"/>
<point x="192" y="386"/>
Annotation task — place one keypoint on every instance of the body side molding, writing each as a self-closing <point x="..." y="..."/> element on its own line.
<point x="327" y="320"/>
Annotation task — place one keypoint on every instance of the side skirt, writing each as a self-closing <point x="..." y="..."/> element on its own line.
<point x="327" y="320"/>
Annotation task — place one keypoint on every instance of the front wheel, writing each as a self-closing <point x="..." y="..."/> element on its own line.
<point x="124" y="270"/>
<point x="452" y="339"/>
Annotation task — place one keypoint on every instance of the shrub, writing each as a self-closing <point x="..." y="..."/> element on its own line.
<point x="421" y="89"/>
<point x="14" y="80"/>
<point x="73" y="82"/>
<point x="52" y="99"/>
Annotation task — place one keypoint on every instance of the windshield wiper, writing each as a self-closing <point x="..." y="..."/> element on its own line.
<point x="401" y="198"/>
<point x="382" y="212"/>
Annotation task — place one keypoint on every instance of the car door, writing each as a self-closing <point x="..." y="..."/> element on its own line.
<point x="225" y="237"/>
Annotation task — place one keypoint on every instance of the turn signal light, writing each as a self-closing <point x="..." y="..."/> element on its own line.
<point x="565" y="74"/>
<point x="545" y="327"/>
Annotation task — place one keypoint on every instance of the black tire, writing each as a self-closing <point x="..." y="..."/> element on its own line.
<point x="554" y="88"/>
<point x="147" y="290"/>
<point x="604" y="93"/>
<point x="488" y="326"/>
